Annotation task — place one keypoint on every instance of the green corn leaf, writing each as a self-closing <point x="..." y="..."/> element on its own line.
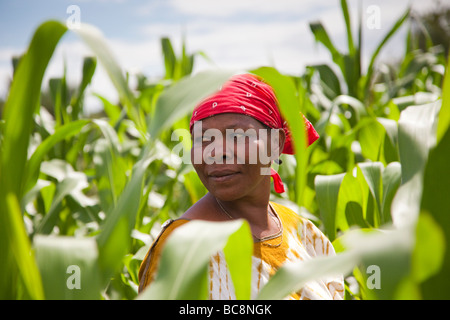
<point x="348" y="27"/>
<point x="321" y="35"/>
<point x="351" y="72"/>
<point x="351" y="204"/>
<point x="73" y="182"/>
<point x="111" y="168"/>
<point x="18" y="115"/>
<point x="20" y="277"/>
<point x="391" y="32"/>
<point x="292" y="108"/>
<point x="114" y="239"/>
<point x="329" y="80"/>
<point x="391" y="181"/>
<point x="181" y="98"/>
<point x="56" y="87"/>
<point x="372" y="173"/>
<point x="64" y="132"/>
<point x="292" y="276"/>
<point x="191" y="246"/>
<point x="429" y="252"/>
<point x="19" y="108"/>
<point x="416" y="135"/>
<point x="94" y="38"/>
<point x="170" y="60"/>
<point x="387" y="250"/>
<point x="444" y="114"/>
<point x="436" y="202"/>
<point x="112" y="111"/>
<point x="371" y="138"/>
<point x="357" y="106"/>
<point x="89" y="65"/>
<point x="69" y="267"/>
<point x="327" y="191"/>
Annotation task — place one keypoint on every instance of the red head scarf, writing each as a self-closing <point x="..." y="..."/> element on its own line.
<point x="248" y="94"/>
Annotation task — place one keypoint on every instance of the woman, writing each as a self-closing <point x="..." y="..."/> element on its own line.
<point x="232" y="130"/>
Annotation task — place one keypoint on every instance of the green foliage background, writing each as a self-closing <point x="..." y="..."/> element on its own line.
<point x="94" y="191"/>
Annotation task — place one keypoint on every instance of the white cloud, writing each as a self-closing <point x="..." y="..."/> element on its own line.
<point x="231" y="7"/>
<point x="234" y="34"/>
<point x="244" y="44"/>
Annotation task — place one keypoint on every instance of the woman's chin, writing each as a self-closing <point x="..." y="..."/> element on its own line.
<point x="225" y="196"/>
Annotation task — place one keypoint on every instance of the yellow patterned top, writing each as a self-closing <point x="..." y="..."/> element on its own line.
<point x="300" y="240"/>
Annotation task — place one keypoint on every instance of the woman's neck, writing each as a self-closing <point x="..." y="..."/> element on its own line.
<point x="254" y="210"/>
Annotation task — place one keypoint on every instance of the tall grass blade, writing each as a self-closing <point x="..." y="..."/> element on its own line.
<point x="327" y="191"/>
<point x="348" y="28"/>
<point x="114" y="239"/>
<point x="170" y="60"/>
<point x="32" y="167"/>
<point x="391" y="32"/>
<point x="20" y="277"/>
<point x="321" y="35"/>
<point x="18" y="114"/>
<point x="97" y="43"/>
<point x="89" y="66"/>
<point x="444" y="114"/>
<point x="416" y="136"/>
<point x="435" y="199"/>
<point x="181" y="98"/>
<point x="292" y="108"/>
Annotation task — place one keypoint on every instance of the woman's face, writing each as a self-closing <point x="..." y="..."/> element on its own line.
<point x="232" y="154"/>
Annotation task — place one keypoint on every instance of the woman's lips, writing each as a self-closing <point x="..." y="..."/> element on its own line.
<point x="222" y="176"/>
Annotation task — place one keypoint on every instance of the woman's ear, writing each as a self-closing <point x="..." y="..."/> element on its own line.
<point x="277" y="140"/>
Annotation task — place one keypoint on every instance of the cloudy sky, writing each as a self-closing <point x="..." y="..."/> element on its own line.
<point x="237" y="34"/>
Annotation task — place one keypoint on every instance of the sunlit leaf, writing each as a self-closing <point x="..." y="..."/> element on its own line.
<point x="327" y="191"/>
<point x="436" y="202"/>
<point x="292" y="108"/>
<point x="69" y="267"/>
<point x="416" y="135"/>
<point x="181" y="98"/>
<point x="114" y="240"/>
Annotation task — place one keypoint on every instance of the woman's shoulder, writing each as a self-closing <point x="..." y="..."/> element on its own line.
<point x="168" y="226"/>
<point x="287" y="214"/>
<point x="148" y="265"/>
<point x="166" y="229"/>
<point x="314" y="240"/>
<point x="203" y="209"/>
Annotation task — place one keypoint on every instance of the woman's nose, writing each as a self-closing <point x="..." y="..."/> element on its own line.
<point x="221" y="151"/>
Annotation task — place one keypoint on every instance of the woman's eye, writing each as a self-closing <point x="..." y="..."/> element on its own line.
<point x="236" y="135"/>
<point x="203" y="139"/>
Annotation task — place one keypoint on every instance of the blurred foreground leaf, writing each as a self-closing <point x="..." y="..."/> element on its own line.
<point x="18" y="274"/>
<point x="69" y="267"/>
<point x="183" y="270"/>
<point x="176" y="101"/>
